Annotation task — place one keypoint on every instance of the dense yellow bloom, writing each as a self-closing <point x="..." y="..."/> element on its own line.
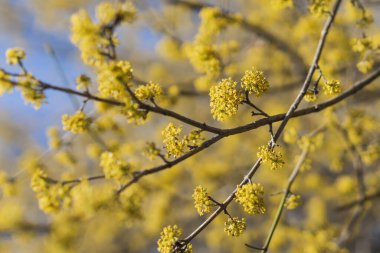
<point x="108" y="12"/>
<point x="148" y="91"/>
<point x="169" y="236"/>
<point x="203" y="58"/>
<point x="83" y="82"/>
<point x="112" y="79"/>
<point x="174" y="146"/>
<point x="51" y="197"/>
<point x="31" y="91"/>
<point x="212" y="23"/>
<point x="292" y="202"/>
<point x="250" y="197"/>
<point x="254" y="81"/>
<point x="234" y="226"/>
<point x="113" y="167"/>
<point x="38" y="182"/>
<point x="194" y="138"/>
<point x="5" y="84"/>
<point x="319" y="7"/>
<point x="310" y="96"/>
<point x="202" y="201"/>
<point x="76" y="123"/>
<point x="332" y="87"/>
<point x="224" y="99"/>
<point x="86" y="35"/>
<point x="271" y="157"/>
<point x="15" y="55"/>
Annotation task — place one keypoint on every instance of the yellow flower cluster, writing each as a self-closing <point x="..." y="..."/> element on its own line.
<point x="109" y="12"/>
<point x="234" y="226"/>
<point x="250" y="197"/>
<point x="224" y="99"/>
<point x="254" y="81"/>
<point x="202" y="53"/>
<point x="203" y="58"/>
<point x="83" y="82"/>
<point x="51" y="197"/>
<point x="292" y="202"/>
<point x="194" y="138"/>
<point x="319" y="7"/>
<point x="270" y="156"/>
<point x="202" y="201"/>
<point x="112" y="79"/>
<point x="86" y="35"/>
<point x="15" y="55"/>
<point x="332" y="87"/>
<point x="54" y="139"/>
<point x="91" y="38"/>
<point x="133" y="112"/>
<point x="151" y="151"/>
<point x="148" y="91"/>
<point x="113" y="167"/>
<point x="174" y="146"/>
<point x="5" y="84"/>
<point x="31" y="90"/>
<point x="169" y="236"/>
<point x="76" y="123"/>
<point x="310" y="96"/>
<point x="368" y="51"/>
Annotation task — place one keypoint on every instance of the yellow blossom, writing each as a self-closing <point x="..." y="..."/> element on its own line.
<point x="15" y="55"/>
<point x="83" y="82"/>
<point x="112" y="79"/>
<point x="76" y="123"/>
<point x="5" y="84"/>
<point x="292" y="201"/>
<point x="224" y="99"/>
<point x="113" y="167"/>
<point x="250" y="197"/>
<point x="332" y="87"/>
<point x="310" y="96"/>
<point x="202" y="201"/>
<point x="148" y="91"/>
<point x="274" y="158"/>
<point x="254" y="81"/>
<point x="234" y="226"/>
<point x="169" y="236"/>
<point x="174" y="146"/>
